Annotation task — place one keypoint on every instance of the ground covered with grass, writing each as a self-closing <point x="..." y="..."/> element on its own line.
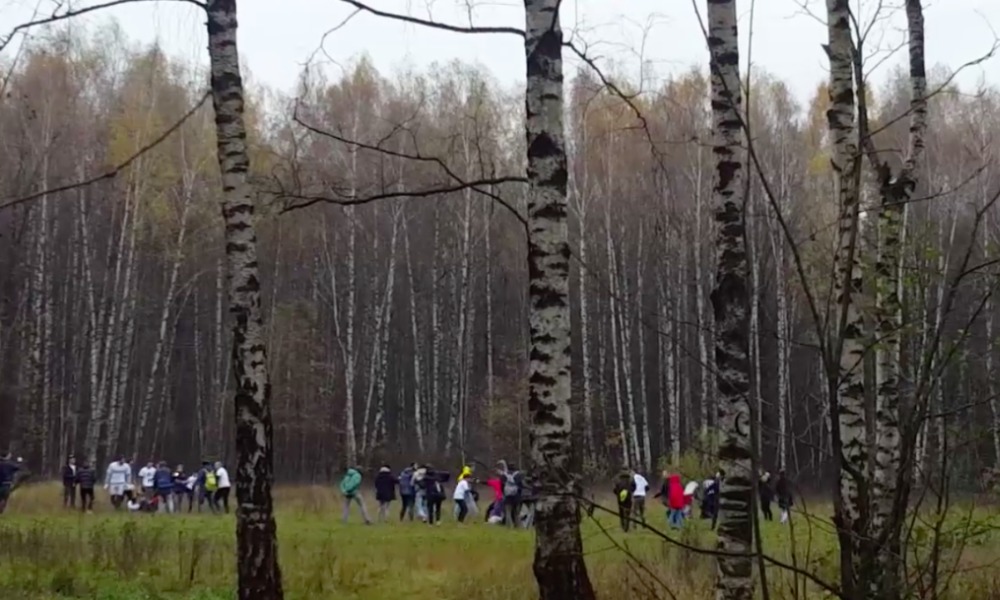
<point x="48" y="553"/>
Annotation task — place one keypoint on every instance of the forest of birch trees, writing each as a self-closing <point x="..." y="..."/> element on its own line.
<point x="392" y="230"/>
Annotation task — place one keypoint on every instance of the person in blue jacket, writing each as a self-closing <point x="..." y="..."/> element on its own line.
<point x="163" y="482"/>
<point x="407" y="491"/>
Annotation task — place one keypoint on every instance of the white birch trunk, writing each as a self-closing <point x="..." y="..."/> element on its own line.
<point x="559" y="565"/>
<point x="734" y="580"/>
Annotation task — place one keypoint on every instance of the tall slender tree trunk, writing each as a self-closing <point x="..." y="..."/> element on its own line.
<point x="848" y="335"/>
<point x="730" y="302"/>
<point x="259" y="576"/>
<point x="890" y="485"/>
<point x="418" y="382"/>
<point x="558" y="566"/>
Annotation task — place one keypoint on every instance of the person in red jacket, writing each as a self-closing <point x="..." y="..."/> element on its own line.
<point x="494" y="514"/>
<point x="672" y="493"/>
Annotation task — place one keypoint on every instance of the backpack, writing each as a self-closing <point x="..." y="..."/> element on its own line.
<point x="510" y="485"/>
<point x="211" y="483"/>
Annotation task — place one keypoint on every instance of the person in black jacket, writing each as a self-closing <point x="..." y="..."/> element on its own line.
<point x="86" y="478"/>
<point x="385" y="491"/>
<point x="433" y="484"/>
<point x="69" y="482"/>
<point x="766" y="495"/>
<point x="624" y="489"/>
<point x="783" y="489"/>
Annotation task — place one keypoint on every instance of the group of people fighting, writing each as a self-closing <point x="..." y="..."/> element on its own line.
<point x="631" y="489"/>
<point x="422" y="490"/>
<point x="160" y="488"/>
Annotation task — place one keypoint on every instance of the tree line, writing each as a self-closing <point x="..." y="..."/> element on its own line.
<point x="785" y="286"/>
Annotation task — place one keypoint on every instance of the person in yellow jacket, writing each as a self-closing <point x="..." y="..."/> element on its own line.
<point x="470" y="492"/>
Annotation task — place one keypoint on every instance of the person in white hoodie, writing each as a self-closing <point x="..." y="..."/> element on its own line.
<point x="222" y="493"/>
<point x="639" y="496"/>
<point x="117" y="479"/>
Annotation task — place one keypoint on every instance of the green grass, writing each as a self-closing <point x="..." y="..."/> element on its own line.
<point x="47" y="553"/>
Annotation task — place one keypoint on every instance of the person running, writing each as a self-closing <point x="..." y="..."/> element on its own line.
<point x="513" y="486"/>
<point x="350" y="488"/>
<point x="9" y="469"/>
<point x="639" y="496"/>
<point x="624" y="493"/>
<point x="672" y="493"/>
<point x="86" y="478"/>
<point x="420" y="492"/>
<point x="385" y="491"/>
<point x="471" y="495"/>
<point x="69" y="482"/>
<point x="182" y="490"/>
<point x="147" y="476"/>
<point x="163" y="481"/>
<point x="783" y="489"/>
<point x="434" y="488"/>
<point x="461" y="496"/>
<point x="207" y="483"/>
<point x="223" y="486"/>
<point x="494" y="512"/>
<point x="529" y="501"/>
<point x="689" y="492"/>
<point x="407" y="492"/>
<point x="117" y="479"/>
<point x="766" y="495"/>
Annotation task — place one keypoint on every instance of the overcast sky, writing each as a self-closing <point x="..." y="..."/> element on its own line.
<point x="277" y="37"/>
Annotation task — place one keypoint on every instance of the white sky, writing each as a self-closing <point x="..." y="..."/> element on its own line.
<point x="277" y="37"/>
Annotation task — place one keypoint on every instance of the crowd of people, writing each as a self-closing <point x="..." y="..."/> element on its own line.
<point x="423" y="489"/>
<point x="631" y="489"/>
<point x="155" y="487"/>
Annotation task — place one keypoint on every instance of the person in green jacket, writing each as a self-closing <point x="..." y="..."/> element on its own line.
<point x="350" y="487"/>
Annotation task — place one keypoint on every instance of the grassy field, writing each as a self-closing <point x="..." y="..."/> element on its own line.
<point x="47" y="553"/>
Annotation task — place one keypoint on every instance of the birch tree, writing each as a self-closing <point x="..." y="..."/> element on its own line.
<point x="259" y="575"/>
<point x="730" y="302"/>
<point x="559" y="567"/>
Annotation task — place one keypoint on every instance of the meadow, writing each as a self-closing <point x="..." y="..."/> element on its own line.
<point x="49" y="553"/>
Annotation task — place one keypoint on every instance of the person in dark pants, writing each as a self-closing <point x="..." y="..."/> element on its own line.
<point x="69" y="482"/>
<point x="86" y="478"/>
<point x="181" y="489"/>
<point x="783" y="489"/>
<point x="461" y="497"/>
<point x="223" y="486"/>
<point x="8" y="477"/>
<point x="407" y="491"/>
<point x="434" y="484"/>
<point x="385" y="492"/>
<point x="766" y="495"/>
<point x="513" y="487"/>
<point x="624" y="489"/>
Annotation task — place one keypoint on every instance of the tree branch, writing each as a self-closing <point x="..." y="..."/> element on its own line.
<point x="432" y="24"/>
<point x="56" y="16"/>
<point x="117" y="169"/>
